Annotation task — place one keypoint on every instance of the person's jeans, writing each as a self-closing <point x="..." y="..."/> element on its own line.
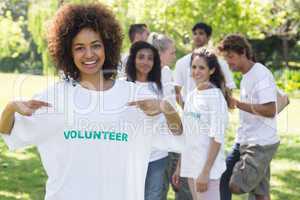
<point x="155" y="179"/>
<point x="231" y="159"/>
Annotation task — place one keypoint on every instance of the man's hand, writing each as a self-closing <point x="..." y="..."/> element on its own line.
<point x="232" y="102"/>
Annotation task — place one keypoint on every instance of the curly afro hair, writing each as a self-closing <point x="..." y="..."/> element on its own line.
<point x="69" y="20"/>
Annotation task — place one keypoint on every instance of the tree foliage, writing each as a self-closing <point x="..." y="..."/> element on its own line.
<point x="13" y="42"/>
<point x="257" y="19"/>
<point x="39" y="15"/>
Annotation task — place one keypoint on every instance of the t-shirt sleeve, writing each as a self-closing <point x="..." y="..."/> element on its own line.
<point x="227" y="74"/>
<point x="169" y="87"/>
<point x="218" y="118"/>
<point x="179" y="75"/>
<point x="266" y="90"/>
<point x="166" y="75"/>
<point x="26" y="131"/>
<point x="35" y="129"/>
<point x="168" y="142"/>
<point x="162" y="138"/>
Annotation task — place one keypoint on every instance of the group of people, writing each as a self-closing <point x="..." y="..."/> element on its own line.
<point x="110" y="127"/>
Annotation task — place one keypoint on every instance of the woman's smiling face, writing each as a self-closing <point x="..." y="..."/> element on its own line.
<point x="144" y="62"/>
<point x="88" y="52"/>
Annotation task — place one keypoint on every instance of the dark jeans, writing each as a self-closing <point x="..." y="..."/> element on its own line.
<point x="231" y="159"/>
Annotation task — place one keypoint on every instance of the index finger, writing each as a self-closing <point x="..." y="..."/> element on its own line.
<point x="135" y="103"/>
<point x="41" y="103"/>
<point x="132" y="103"/>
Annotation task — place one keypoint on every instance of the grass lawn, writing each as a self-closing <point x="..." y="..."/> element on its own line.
<point x="22" y="176"/>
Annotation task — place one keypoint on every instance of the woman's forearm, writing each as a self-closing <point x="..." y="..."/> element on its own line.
<point x="7" y="118"/>
<point x="213" y="151"/>
<point x="179" y="99"/>
<point x="172" y="117"/>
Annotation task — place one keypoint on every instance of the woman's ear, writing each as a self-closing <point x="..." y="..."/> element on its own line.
<point x="211" y="71"/>
<point x="244" y="53"/>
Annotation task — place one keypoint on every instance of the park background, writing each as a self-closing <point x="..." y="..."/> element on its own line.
<point x="272" y="26"/>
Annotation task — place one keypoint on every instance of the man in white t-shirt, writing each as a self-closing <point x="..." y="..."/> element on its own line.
<point x="137" y="32"/>
<point x="183" y="80"/>
<point x="185" y="84"/>
<point x="248" y="166"/>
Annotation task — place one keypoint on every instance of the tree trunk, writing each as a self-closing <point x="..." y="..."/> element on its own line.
<point x="285" y="50"/>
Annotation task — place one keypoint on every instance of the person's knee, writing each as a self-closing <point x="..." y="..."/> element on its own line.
<point x="235" y="189"/>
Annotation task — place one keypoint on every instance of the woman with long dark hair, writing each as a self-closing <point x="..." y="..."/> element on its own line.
<point x="144" y="68"/>
<point x="205" y="120"/>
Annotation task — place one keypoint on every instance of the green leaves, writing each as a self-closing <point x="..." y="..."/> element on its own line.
<point x="255" y="18"/>
<point x="38" y="18"/>
<point x="13" y="42"/>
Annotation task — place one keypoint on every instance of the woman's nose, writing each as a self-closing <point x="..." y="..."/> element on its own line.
<point x="89" y="52"/>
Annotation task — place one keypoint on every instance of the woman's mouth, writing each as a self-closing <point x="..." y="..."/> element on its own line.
<point x="90" y="64"/>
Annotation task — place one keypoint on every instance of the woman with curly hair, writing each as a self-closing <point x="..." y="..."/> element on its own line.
<point x="83" y="126"/>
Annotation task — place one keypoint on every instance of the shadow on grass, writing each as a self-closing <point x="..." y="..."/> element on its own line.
<point x="291" y="180"/>
<point x="22" y="178"/>
<point x="289" y="176"/>
<point x="289" y="149"/>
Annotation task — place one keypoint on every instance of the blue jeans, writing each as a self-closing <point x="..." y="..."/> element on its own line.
<point x="155" y="179"/>
<point x="231" y="159"/>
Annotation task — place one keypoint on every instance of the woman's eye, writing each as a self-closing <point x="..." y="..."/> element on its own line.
<point x="194" y="67"/>
<point x="79" y="49"/>
<point x="97" y="46"/>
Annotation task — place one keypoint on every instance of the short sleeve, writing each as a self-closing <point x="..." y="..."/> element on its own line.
<point x="168" y="142"/>
<point x="227" y="74"/>
<point x="179" y="74"/>
<point x="35" y="129"/>
<point x="161" y="137"/>
<point x="28" y="131"/>
<point x="168" y="87"/>
<point x="266" y="91"/>
<point x="122" y="67"/>
<point x="218" y="118"/>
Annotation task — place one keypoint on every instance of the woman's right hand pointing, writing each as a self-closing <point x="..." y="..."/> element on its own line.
<point x="27" y="108"/>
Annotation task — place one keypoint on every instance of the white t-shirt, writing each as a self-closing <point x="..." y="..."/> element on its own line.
<point x="148" y="90"/>
<point x="257" y="87"/>
<point x="168" y="85"/>
<point x="122" y="67"/>
<point x="205" y="117"/>
<point x="184" y="79"/>
<point x="92" y="145"/>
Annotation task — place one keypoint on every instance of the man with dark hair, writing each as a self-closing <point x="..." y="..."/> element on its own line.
<point x="201" y="34"/>
<point x="137" y="32"/>
<point x="248" y="166"/>
<point x="184" y="84"/>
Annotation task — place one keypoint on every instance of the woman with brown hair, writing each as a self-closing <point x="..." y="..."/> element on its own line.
<point x="85" y="131"/>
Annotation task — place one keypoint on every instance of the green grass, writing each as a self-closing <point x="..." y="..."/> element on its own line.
<point x="22" y="176"/>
